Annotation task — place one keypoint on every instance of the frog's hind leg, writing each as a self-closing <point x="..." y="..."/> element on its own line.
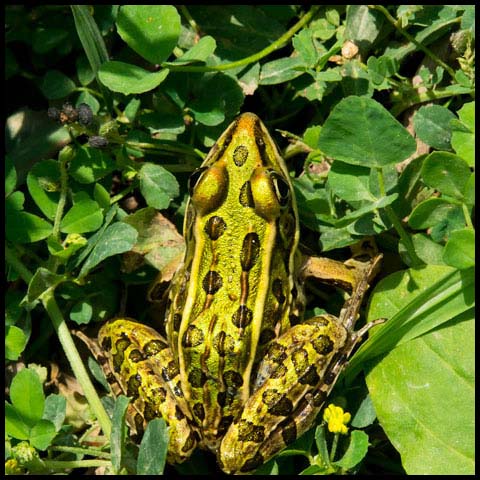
<point x="141" y="362"/>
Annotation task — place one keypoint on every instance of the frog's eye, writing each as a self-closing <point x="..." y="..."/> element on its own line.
<point x="208" y="187"/>
<point x="281" y="187"/>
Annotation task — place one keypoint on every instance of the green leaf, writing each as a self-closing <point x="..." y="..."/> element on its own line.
<point x="281" y="70"/>
<point x="363" y="24"/>
<point x="423" y="392"/>
<point x="117" y="438"/>
<point x="15" y="425"/>
<point x="26" y="394"/>
<point x="151" y="30"/>
<point x="90" y="37"/>
<point x="463" y="142"/>
<point x="84" y="216"/>
<point x="153" y="449"/>
<point x="42" y="434"/>
<point x="356" y="451"/>
<point x="127" y="78"/>
<point x="23" y="227"/>
<point x="414" y="302"/>
<point x="303" y="43"/>
<point x="459" y="251"/>
<point x="15" y="341"/>
<point x="117" y="238"/>
<point x="432" y="126"/>
<point x="46" y="39"/>
<point x="350" y="182"/>
<point x="101" y="196"/>
<point x="42" y="280"/>
<point x="365" y="415"/>
<point x="198" y="53"/>
<point x="10" y="176"/>
<point x="55" y="410"/>
<point x="431" y="212"/>
<point x="92" y="43"/>
<point x="426" y="249"/>
<point x="158" y="185"/>
<point x="43" y="183"/>
<point x="446" y="172"/>
<point x="217" y="97"/>
<point x="360" y="131"/>
<point x="56" y="85"/>
<point x="81" y="312"/>
<point x="90" y="164"/>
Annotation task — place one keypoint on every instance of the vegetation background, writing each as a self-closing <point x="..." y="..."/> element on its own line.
<point x="109" y="110"/>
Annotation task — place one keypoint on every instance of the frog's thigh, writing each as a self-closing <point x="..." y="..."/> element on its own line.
<point x="291" y="385"/>
<point x="144" y="367"/>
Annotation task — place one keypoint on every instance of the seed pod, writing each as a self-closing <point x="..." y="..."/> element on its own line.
<point x="85" y="114"/>
<point x="53" y="113"/>
<point x="96" y="141"/>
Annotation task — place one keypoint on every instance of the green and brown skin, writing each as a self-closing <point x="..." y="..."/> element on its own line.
<point x="240" y="373"/>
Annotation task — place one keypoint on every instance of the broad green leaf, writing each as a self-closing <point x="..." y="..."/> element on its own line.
<point x="84" y="216"/>
<point x="117" y="238"/>
<point x="427" y="250"/>
<point x="432" y="126"/>
<point x="90" y="164"/>
<point x="56" y="85"/>
<point x="281" y="70"/>
<point x="55" y="409"/>
<point x="151" y="30"/>
<point x="459" y="251"/>
<point x="360" y="131"/>
<point x="42" y="434"/>
<point x="15" y="341"/>
<point x="356" y="451"/>
<point x="158" y="185"/>
<point x="15" y="425"/>
<point x="447" y="173"/>
<point x="432" y="211"/>
<point x="463" y="142"/>
<point x="153" y="448"/>
<point x="423" y="392"/>
<point x="26" y="394"/>
<point x="24" y="227"/>
<point x="127" y="78"/>
<point x="211" y="109"/>
<point x="414" y="302"/>
<point x="350" y="182"/>
<point x="363" y="24"/>
<point x="43" y="183"/>
<point x="117" y="438"/>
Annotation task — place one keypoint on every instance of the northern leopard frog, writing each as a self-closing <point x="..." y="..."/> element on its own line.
<point x="240" y="372"/>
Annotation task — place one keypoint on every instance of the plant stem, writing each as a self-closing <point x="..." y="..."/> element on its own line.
<point x="410" y="38"/>
<point x="252" y="58"/>
<point x="397" y="224"/>
<point x="74" y="359"/>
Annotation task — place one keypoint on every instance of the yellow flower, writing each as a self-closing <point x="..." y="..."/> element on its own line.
<point x="336" y="419"/>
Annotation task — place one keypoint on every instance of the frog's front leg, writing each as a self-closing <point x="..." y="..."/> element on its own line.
<point x="143" y="365"/>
